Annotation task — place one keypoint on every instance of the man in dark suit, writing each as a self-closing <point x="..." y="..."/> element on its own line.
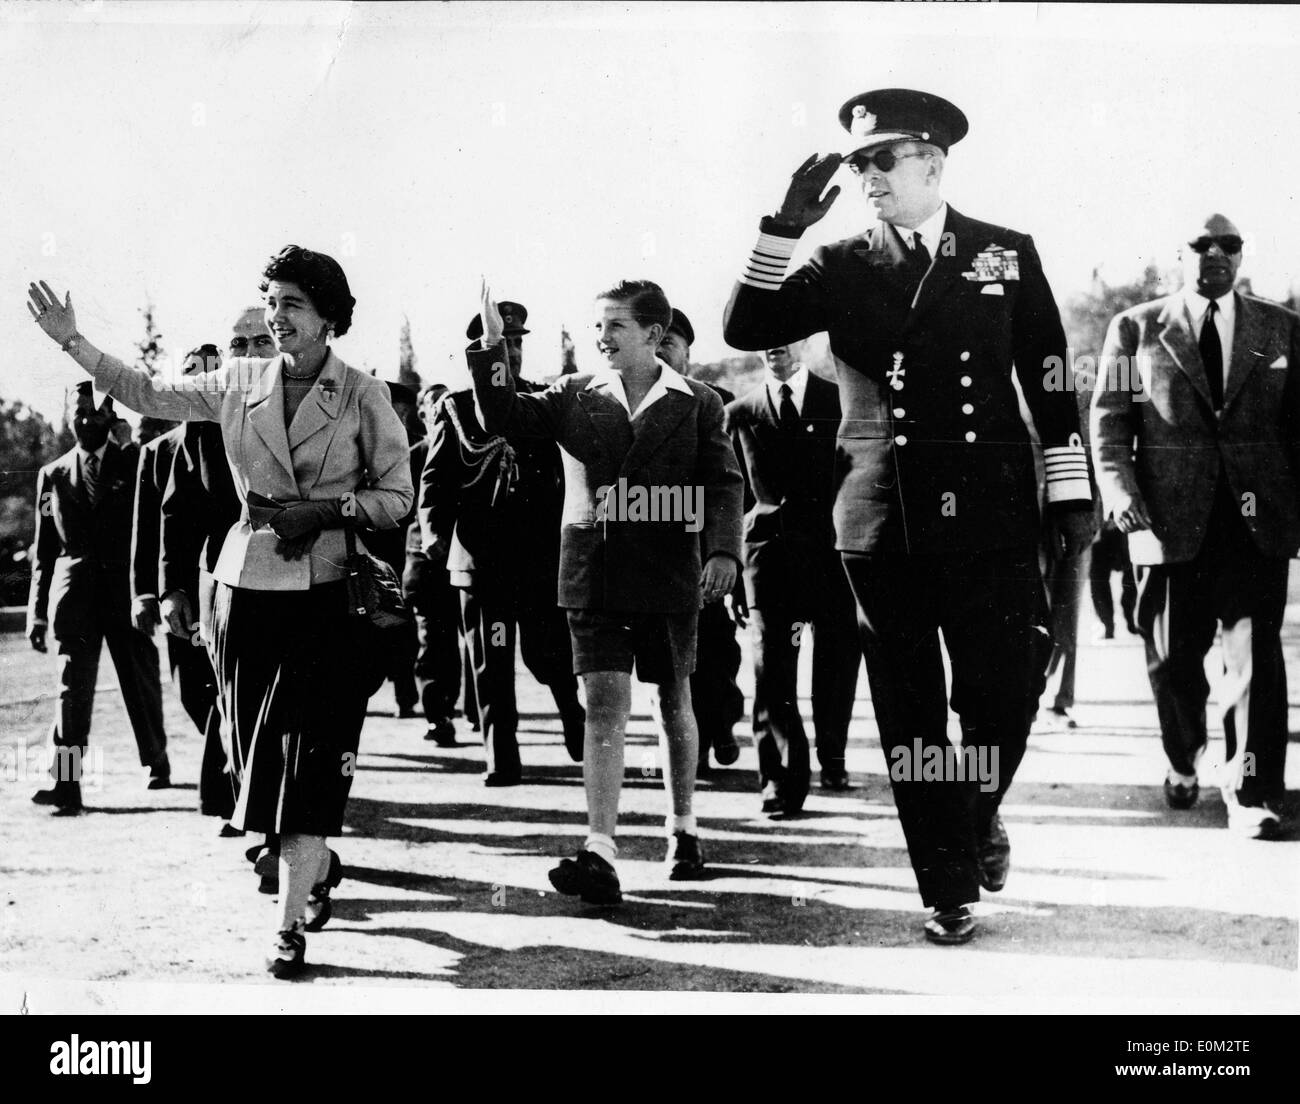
<point x="80" y="592"/>
<point x="1196" y="439"/>
<point x="784" y="433"/>
<point x="936" y="512"/>
<point x="434" y="602"/>
<point x="652" y="496"/>
<point x="495" y="506"/>
<point x="717" y="700"/>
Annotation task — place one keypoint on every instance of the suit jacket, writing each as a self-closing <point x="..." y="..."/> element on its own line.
<point x="493" y="531"/>
<point x="199" y="506"/>
<point x="789" y="486"/>
<point x="346" y="442"/>
<point x="678" y="446"/>
<point x="1159" y="437"/>
<point x="931" y="425"/>
<point x="82" y="554"/>
<point x="153" y="474"/>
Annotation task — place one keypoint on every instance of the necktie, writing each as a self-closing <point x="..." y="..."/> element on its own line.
<point x="1212" y="355"/>
<point x="91" y="473"/>
<point x="920" y="255"/>
<point x="788" y="414"/>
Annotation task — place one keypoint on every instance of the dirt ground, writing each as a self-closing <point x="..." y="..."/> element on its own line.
<point x="1114" y="901"/>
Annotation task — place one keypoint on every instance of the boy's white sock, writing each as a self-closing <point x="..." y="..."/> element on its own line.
<point x="683" y="824"/>
<point x="604" y="846"/>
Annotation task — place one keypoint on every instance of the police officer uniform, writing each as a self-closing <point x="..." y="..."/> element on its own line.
<point x="936" y="512"/>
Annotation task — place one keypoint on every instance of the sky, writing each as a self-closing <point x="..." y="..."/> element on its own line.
<point x="162" y="152"/>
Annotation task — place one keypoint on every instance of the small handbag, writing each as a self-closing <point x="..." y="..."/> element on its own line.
<point x="374" y="590"/>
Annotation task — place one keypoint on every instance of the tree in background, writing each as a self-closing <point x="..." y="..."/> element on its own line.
<point x="568" y="361"/>
<point x="150" y="346"/>
<point x="27" y="441"/>
<point x="406" y="373"/>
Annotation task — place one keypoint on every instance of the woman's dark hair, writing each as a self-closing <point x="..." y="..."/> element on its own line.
<point x="644" y="299"/>
<point x="321" y="279"/>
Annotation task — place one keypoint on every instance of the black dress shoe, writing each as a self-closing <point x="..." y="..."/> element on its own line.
<point x="229" y="831"/>
<point x="1179" y="796"/>
<point x="773" y="806"/>
<point x="725" y="750"/>
<point x="319" y="909"/>
<point x="442" y="733"/>
<point x="60" y="794"/>
<point x="267" y="868"/>
<point x="498" y="779"/>
<point x="69" y="810"/>
<point x="951" y="925"/>
<point x="407" y="712"/>
<point x="588" y="876"/>
<point x="685" y="857"/>
<point x="161" y="782"/>
<point x="836" y="779"/>
<point x="288" y="957"/>
<point x="994" y="853"/>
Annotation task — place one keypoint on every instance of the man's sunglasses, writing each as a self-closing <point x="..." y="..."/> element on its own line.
<point x="1229" y="243"/>
<point x="884" y="160"/>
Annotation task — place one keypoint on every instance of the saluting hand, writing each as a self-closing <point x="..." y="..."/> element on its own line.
<point x="57" y="319"/>
<point x="494" y="327"/>
<point x="804" y="203"/>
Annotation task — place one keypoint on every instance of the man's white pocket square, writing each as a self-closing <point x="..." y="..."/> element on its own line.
<point x="992" y="289"/>
<point x="1280" y="362"/>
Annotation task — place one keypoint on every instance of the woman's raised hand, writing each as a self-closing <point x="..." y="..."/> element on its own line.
<point x="57" y="319"/>
<point x="493" y="327"/>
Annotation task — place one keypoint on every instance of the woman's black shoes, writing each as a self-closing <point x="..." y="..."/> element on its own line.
<point x="319" y="909"/>
<point x="288" y="957"/>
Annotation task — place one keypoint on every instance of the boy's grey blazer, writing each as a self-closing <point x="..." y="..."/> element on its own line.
<point x="345" y="439"/>
<point x="1158" y="435"/>
<point x="611" y="564"/>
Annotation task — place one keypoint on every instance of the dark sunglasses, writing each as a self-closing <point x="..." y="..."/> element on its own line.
<point x="884" y="160"/>
<point x="1229" y="243"/>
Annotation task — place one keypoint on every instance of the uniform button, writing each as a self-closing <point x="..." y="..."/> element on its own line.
<point x="965" y="354"/>
<point x="966" y="408"/>
<point x="808" y="429"/>
<point x="900" y="440"/>
<point x="897" y="385"/>
<point x="899" y="412"/>
<point x="965" y="381"/>
<point x="970" y="435"/>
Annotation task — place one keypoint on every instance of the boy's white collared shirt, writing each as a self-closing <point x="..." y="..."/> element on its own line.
<point x="669" y="380"/>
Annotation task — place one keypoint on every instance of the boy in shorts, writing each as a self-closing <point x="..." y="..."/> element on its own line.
<point x="651" y="530"/>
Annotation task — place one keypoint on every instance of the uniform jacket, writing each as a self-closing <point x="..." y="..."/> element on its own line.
<point x="345" y="440"/>
<point x="82" y="554"/>
<point x="610" y="562"/>
<point x="153" y="474"/>
<point x="493" y="531"/>
<point x="789" y="483"/>
<point x="931" y="426"/>
<point x="199" y="506"/>
<point x="1162" y="440"/>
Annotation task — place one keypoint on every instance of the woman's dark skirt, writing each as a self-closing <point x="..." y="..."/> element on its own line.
<point x="295" y="673"/>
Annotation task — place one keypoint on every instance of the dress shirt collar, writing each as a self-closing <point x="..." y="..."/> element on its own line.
<point x="98" y="454"/>
<point x="1198" y="304"/>
<point x="931" y="230"/>
<point x="798" y="384"/>
<point x="669" y="380"/>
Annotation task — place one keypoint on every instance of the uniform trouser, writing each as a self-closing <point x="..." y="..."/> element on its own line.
<point x="1064" y="578"/>
<point x="990" y="608"/>
<point x="1109" y="553"/>
<point x="490" y="616"/>
<point x="192" y="669"/>
<point x="437" y="663"/>
<point x="1179" y="606"/>
<point x="135" y="657"/>
<point x="783" y="758"/>
<point x="717" y="700"/>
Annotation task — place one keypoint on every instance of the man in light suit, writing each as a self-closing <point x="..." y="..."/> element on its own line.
<point x="936" y="510"/>
<point x="80" y="592"/>
<point x="651" y="530"/>
<point x="784" y="433"/>
<point x="1196" y="439"/>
